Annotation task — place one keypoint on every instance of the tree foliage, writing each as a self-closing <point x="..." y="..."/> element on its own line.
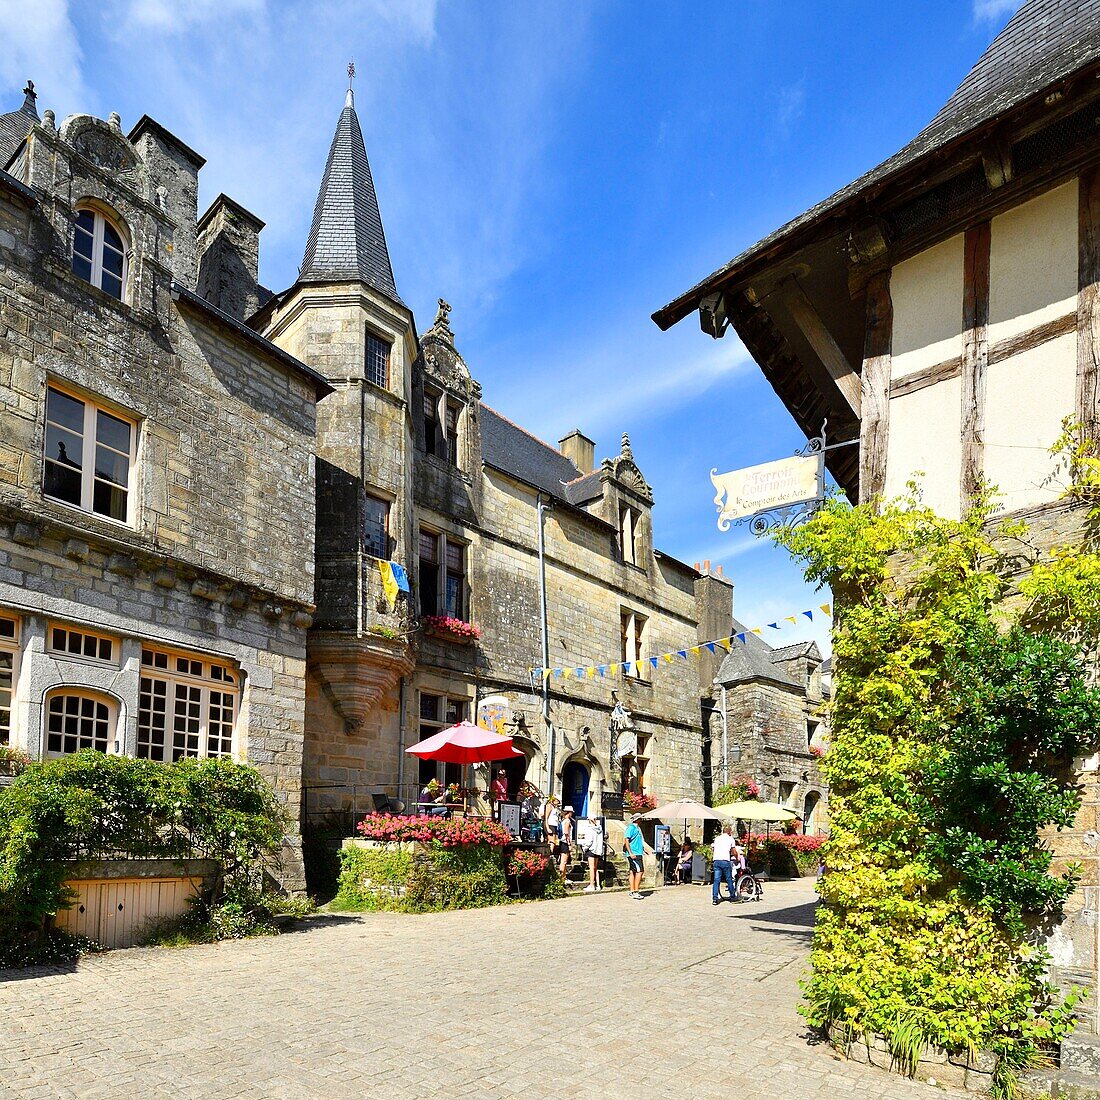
<point x="960" y="699"/>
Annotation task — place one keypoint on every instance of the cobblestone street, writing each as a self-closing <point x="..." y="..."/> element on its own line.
<point x="598" y="997"/>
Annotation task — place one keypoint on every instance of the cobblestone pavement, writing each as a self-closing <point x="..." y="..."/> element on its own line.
<point x="601" y="997"/>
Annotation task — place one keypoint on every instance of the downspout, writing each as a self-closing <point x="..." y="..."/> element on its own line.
<point x="401" y="736"/>
<point x="725" y="741"/>
<point x="542" y="509"/>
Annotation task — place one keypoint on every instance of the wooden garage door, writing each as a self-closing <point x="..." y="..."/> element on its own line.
<point x="113" y="912"/>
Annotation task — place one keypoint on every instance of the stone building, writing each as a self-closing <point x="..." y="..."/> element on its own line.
<point x="773" y="704"/>
<point x="413" y="467"/>
<point x="156" y="467"/>
<point x="943" y="309"/>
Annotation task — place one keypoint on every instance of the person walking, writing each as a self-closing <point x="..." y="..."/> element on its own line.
<point x="722" y="854"/>
<point x="634" y="850"/>
<point x="592" y="841"/>
<point x="565" y="843"/>
<point x="551" y="817"/>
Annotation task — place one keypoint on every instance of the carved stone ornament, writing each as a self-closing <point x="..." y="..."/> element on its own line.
<point x="99" y="142"/>
<point x="625" y="470"/>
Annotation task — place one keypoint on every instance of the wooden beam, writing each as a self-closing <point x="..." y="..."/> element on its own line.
<point x="821" y="340"/>
<point x="1088" y="303"/>
<point x="998" y="353"/>
<point x="875" y="401"/>
<point x="975" y="359"/>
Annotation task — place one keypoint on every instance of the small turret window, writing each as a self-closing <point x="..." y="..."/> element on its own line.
<point x="378" y="361"/>
<point x="99" y="252"/>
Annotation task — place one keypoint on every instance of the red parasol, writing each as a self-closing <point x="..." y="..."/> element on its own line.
<point x="465" y="744"/>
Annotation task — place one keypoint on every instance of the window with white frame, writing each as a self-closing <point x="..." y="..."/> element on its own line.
<point x="437" y="712"/>
<point x="99" y="252"/>
<point x="187" y="706"/>
<point x="376" y="526"/>
<point x="632" y="626"/>
<point x="9" y="659"/>
<point x="73" y="642"/>
<point x="442" y="575"/>
<point x="88" y="455"/>
<point x="79" y="720"/>
<point x="378" y="361"/>
<point x="628" y="534"/>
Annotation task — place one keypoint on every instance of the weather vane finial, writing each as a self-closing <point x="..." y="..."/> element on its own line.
<point x="351" y="74"/>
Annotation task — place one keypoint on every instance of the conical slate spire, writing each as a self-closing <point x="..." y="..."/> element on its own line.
<point x="346" y="240"/>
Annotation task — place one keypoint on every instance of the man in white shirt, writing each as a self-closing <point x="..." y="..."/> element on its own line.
<point x="722" y="855"/>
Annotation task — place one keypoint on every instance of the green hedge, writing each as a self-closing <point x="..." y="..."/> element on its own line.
<point x="430" y="881"/>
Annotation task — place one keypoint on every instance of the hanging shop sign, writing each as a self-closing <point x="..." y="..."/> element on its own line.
<point x="785" y="483"/>
<point x="493" y="713"/>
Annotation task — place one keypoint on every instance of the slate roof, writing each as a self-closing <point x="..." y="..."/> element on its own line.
<point x="515" y="451"/>
<point x="755" y="660"/>
<point x="796" y="649"/>
<point x="346" y="240"/>
<point x="1042" y="44"/>
<point x="15" y="124"/>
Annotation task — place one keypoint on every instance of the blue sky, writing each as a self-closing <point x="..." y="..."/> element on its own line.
<point x="556" y="171"/>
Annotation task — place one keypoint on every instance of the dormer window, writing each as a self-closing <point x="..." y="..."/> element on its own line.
<point x="99" y="252"/>
<point x="453" y="410"/>
<point x="433" y="434"/>
<point x="628" y="534"/>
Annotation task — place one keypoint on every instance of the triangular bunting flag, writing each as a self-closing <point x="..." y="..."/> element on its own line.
<point x="774" y="626"/>
<point x="566" y="673"/>
<point x="741" y="638"/>
<point x="602" y="669"/>
<point x="590" y="672"/>
<point x="546" y="673"/>
<point x="809" y="615"/>
<point x="790" y="619"/>
<point x="710" y="646"/>
<point x="653" y="661"/>
<point x="695" y="649"/>
<point x="612" y="670"/>
<point x="683" y="653"/>
<point x="757" y="630"/>
<point x="827" y="608"/>
<point x="725" y="643"/>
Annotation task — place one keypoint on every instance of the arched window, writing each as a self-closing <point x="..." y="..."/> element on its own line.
<point x="79" y="720"/>
<point x="99" y="252"/>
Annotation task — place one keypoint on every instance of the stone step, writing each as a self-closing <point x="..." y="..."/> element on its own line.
<point x="1081" y="1054"/>
<point x="1062" y="1085"/>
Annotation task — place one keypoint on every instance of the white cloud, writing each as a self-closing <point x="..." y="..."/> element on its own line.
<point x="40" y="43"/>
<point x="791" y="105"/>
<point x="992" y="11"/>
<point x="172" y="16"/>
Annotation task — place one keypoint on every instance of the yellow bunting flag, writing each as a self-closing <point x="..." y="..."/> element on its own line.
<point x="566" y="673"/>
<point x="668" y="657"/>
<point x="696" y="649"/>
<point x="790" y="619"/>
<point x="725" y="643"/>
<point x="612" y="670"/>
<point x="827" y="608"/>
<point x="590" y="672"/>
<point x="546" y="673"/>
<point x="757" y="630"/>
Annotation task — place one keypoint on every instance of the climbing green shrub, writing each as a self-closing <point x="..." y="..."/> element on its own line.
<point x="89" y="803"/>
<point x="957" y="709"/>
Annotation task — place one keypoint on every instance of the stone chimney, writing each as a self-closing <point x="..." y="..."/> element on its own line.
<point x="172" y="183"/>
<point x="229" y="257"/>
<point x="580" y="450"/>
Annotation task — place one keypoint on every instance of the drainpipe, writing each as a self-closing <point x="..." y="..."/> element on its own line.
<point x="543" y="507"/>
<point x="725" y="741"/>
<point x="401" y="737"/>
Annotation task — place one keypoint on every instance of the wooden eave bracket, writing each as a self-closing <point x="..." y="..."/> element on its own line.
<point x="997" y="162"/>
<point x="821" y="340"/>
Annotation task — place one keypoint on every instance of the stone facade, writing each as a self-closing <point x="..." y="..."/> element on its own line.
<point x="163" y="612"/>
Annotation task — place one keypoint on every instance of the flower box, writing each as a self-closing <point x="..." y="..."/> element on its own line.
<point x="450" y="629"/>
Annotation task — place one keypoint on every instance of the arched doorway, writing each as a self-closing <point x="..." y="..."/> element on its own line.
<point x="811" y="817"/>
<point x="515" y="769"/>
<point x="574" y="788"/>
